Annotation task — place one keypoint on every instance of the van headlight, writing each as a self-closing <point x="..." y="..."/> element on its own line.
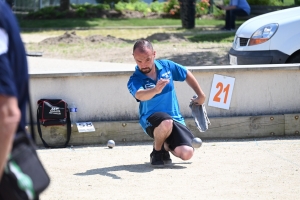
<point x="263" y="34"/>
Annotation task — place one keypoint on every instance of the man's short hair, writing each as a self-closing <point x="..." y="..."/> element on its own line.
<point x="142" y="44"/>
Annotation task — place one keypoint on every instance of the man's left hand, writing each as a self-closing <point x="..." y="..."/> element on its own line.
<point x="199" y="100"/>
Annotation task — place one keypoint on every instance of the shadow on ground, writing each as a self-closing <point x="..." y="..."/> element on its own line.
<point x="138" y="168"/>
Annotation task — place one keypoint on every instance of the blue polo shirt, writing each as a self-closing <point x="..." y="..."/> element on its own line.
<point x="13" y="61"/>
<point x="166" y="101"/>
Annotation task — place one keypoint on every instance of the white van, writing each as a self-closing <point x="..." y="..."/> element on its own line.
<point x="272" y="38"/>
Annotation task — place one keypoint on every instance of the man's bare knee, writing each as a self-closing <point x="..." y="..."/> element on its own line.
<point x="186" y="155"/>
<point x="184" y="152"/>
<point x="166" y="125"/>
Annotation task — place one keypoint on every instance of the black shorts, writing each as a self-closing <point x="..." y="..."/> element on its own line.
<point x="180" y="134"/>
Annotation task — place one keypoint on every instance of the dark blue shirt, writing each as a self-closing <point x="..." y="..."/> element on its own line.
<point x="13" y="62"/>
<point x="166" y="101"/>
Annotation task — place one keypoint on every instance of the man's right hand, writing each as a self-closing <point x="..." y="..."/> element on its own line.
<point x="145" y="95"/>
<point x="161" y="83"/>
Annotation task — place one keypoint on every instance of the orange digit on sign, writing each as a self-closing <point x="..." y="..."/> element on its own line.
<point x="226" y="90"/>
<point x="216" y="97"/>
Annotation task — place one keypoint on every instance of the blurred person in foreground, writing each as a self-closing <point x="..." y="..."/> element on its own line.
<point x="13" y="82"/>
<point x="152" y="85"/>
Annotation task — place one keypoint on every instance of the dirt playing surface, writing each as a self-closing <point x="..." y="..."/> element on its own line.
<point x="228" y="169"/>
<point x="71" y="38"/>
<point x="112" y="49"/>
<point x="260" y="169"/>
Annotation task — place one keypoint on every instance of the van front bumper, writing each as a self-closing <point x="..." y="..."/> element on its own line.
<point x="256" y="57"/>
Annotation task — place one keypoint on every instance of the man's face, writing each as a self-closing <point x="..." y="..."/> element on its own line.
<point x="144" y="59"/>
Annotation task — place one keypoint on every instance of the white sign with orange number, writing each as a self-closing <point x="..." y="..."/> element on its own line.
<point x="221" y="91"/>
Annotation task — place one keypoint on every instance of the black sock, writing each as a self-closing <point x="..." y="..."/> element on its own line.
<point x="156" y="150"/>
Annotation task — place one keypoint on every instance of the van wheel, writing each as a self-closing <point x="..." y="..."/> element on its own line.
<point x="294" y="59"/>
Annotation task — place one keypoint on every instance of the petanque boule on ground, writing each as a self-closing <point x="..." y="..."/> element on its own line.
<point x="111" y="144"/>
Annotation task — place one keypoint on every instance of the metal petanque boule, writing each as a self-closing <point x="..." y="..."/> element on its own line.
<point x="111" y="144"/>
<point x="196" y="142"/>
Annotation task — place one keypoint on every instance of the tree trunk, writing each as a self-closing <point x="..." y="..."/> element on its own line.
<point x="64" y="5"/>
<point x="187" y="13"/>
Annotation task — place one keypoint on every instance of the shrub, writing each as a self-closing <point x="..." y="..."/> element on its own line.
<point x="87" y="6"/>
<point x="103" y="6"/>
<point x="134" y="1"/>
<point x="47" y="13"/>
<point x="157" y="7"/>
<point x="120" y="6"/>
<point x="81" y="12"/>
<point x="172" y="7"/>
<point x="137" y="6"/>
<point x="111" y="2"/>
<point x="217" y="13"/>
<point x="142" y="7"/>
<point x="74" y="6"/>
<point x="130" y="1"/>
<point x="129" y="6"/>
<point x="61" y="14"/>
<point x="202" y="7"/>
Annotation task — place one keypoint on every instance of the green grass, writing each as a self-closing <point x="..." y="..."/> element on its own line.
<point x="194" y="35"/>
<point x="100" y="23"/>
<point x="93" y="23"/>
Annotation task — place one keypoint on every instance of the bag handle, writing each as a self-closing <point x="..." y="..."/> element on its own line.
<point x="53" y="101"/>
<point x="68" y="131"/>
<point x="31" y="118"/>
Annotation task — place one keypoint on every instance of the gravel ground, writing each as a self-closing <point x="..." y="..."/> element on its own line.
<point x="232" y="169"/>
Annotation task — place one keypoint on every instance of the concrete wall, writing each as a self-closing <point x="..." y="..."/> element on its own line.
<point x="100" y="90"/>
